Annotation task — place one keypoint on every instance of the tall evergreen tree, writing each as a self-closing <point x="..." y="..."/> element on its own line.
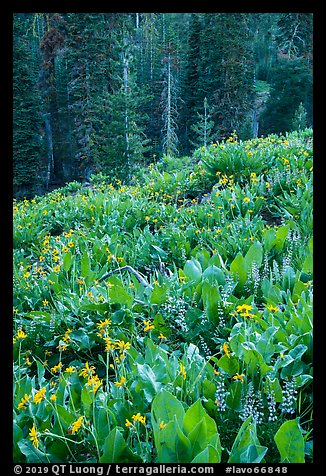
<point x="234" y="91"/>
<point x="27" y="122"/>
<point x="203" y="128"/>
<point x="291" y="83"/>
<point x="169" y="102"/>
<point x="51" y="46"/>
<point x="192" y="98"/>
<point x="126" y="141"/>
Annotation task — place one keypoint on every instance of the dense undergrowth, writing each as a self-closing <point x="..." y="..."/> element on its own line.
<point x="169" y="320"/>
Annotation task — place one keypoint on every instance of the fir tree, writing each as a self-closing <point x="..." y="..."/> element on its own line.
<point x="27" y="123"/>
<point x="233" y="95"/>
<point x="203" y="128"/>
<point x="299" y="121"/>
<point x="169" y="102"/>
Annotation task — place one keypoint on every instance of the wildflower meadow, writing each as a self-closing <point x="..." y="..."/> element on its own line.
<point x="169" y="320"/>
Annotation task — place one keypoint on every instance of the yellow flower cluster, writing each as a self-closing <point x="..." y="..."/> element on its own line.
<point x="76" y="425"/>
<point x="244" y="309"/>
<point x="135" y="418"/>
<point x="93" y="380"/>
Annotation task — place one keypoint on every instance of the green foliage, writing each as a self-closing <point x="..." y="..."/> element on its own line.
<point x="154" y="325"/>
<point x="27" y="123"/>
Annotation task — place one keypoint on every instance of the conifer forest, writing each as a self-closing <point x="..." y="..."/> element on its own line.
<point x="163" y="239"/>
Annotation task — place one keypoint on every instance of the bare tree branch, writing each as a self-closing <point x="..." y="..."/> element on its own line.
<point x="140" y="278"/>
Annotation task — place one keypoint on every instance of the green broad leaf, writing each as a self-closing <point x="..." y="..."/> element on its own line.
<point x="308" y="264"/>
<point x="192" y="416"/>
<point x="213" y="275"/>
<point x="160" y="251"/>
<point x="87" y="400"/>
<point x="99" y="307"/>
<point x="253" y="453"/>
<point x="302" y="380"/>
<point x="158" y="295"/>
<point x="265" y="344"/>
<point x="171" y="443"/>
<point x="254" y="254"/>
<point x="183" y="447"/>
<point x="290" y="442"/>
<point x="17" y="436"/>
<point x="269" y="239"/>
<point x="280" y="237"/>
<point x="211" y="298"/>
<point x="115" y="450"/>
<point x="230" y="364"/>
<point x="65" y="417"/>
<point x="217" y="260"/>
<point x="252" y="358"/>
<point x="246" y="447"/>
<point x="42" y="316"/>
<point x="165" y="406"/>
<point x="274" y="386"/>
<point x="298" y="288"/>
<point x="193" y="270"/>
<point x="34" y="455"/>
<point x="271" y="292"/>
<point x="238" y="269"/>
<point x="209" y="389"/>
<point x="67" y="261"/>
<point x="150" y="386"/>
<point x="85" y="267"/>
<point x="198" y="437"/>
<point x="233" y="400"/>
<point x="101" y="424"/>
<point x="203" y="257"/>
<point x="288" y="279"/>
<point x="58" y="449"/>
<point x="195" y="414"/>
<point x="40" y="373"/>
<point x="294" y="367"/>
<point x="208" y="455"/>
<point x="118" y="295"/>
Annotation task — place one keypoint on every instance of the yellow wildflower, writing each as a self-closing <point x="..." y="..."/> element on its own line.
<point x="70" y="370"/>
<point x="21" y="334"/>
<point x="128" y="423"/>
<point x="33" y="436"/>
<point x="226" y="349"/>
<point x="123" y="346"/>
<point x="56" y="368"/>
<point x="24" y="401"/>
<point x="162" y="425"/>
<point x="103" y="324"/>
<point x="270" y="307"/>
<point x="76" y="425"/>
<point x="122" y="381"/>
<point x="140" y="418"/>
<point x="94" y="382"/>
<point x="182" y="371"/>
<point x="39" y="396"/>
<point x="238" y="377"/>
<point x="243" y="309"/>
<point x="148" y="326"/>
<point x="87" y="371"/>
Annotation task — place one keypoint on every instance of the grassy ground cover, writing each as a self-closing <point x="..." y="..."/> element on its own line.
<point x="169" y="320"/>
